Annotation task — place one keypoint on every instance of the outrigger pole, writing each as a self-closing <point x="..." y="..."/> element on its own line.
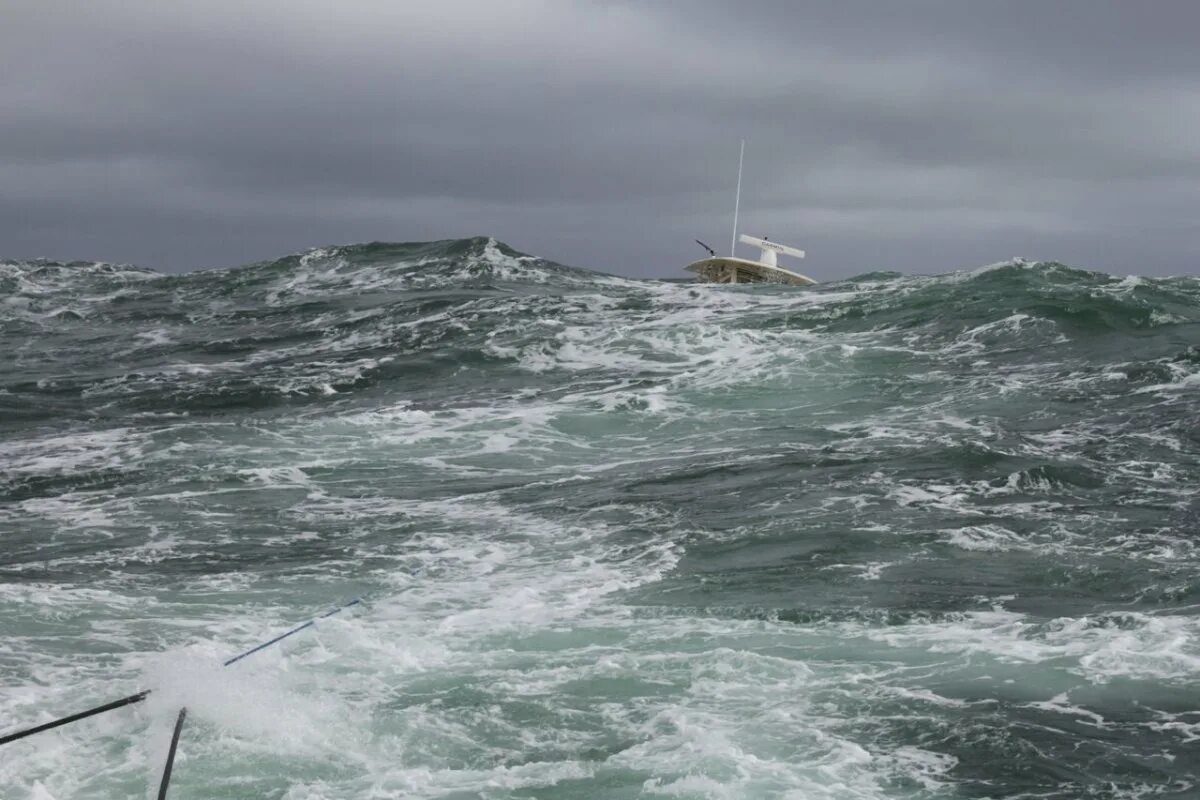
<point x="737" y="201"/>
<point x="296" y="629"/>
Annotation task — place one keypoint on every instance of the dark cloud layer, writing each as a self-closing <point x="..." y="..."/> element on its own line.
<point x="917" y="136"/>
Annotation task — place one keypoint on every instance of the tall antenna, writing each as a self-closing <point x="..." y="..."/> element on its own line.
<point x="737" y="200"/>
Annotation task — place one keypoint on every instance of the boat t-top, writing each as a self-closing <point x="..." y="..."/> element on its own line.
<point x="731" y="269"/>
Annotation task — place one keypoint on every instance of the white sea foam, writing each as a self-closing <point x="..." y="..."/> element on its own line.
<point x="985" y="538"/>
<point x="667" y="541"/>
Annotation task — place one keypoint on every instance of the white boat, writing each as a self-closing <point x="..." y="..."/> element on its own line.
<point x="731" y="269"/>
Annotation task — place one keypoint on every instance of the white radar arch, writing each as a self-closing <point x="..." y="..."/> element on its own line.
<point x="770" y="249"/>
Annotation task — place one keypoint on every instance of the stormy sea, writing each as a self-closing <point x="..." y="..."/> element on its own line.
<point x="895" y="536"/>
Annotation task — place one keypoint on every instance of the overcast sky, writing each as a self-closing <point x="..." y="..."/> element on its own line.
<point x="911" y="136"/>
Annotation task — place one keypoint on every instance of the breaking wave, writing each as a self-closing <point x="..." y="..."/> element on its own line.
<point x="889" y="537"/>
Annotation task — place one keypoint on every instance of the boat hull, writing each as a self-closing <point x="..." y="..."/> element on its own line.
<point x="741" y="270"/>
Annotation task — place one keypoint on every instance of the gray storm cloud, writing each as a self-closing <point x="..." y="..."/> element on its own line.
<point x="922" y="136"/>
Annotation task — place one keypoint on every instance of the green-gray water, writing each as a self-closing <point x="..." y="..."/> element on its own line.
<point x="890" y="537"/>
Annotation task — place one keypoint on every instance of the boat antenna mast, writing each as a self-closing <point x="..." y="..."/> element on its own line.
<point x="737" y="200"/>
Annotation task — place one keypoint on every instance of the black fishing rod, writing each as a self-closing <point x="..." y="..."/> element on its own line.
<point x="91" y="712"/>
<point x="142" y="695"/>
<point x="166" y="778"/>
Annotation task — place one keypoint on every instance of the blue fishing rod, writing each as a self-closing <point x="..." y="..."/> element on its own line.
<point x="142" y="695"/>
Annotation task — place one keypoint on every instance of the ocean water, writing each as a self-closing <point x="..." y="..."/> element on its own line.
<point x="889" y="537"/>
